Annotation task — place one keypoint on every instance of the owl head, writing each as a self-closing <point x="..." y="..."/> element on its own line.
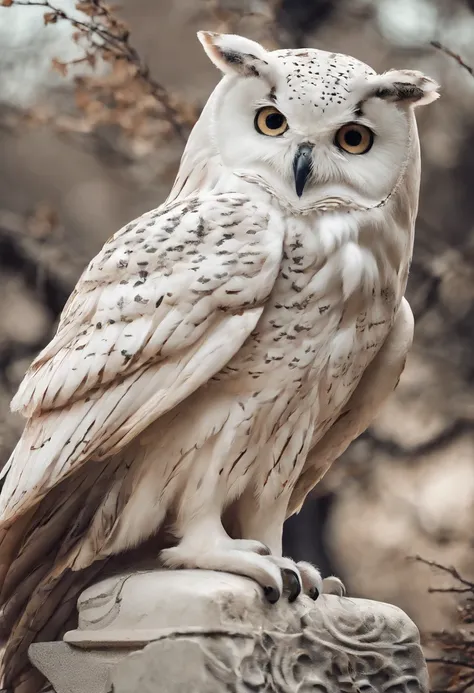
<point x="307" y="124"/>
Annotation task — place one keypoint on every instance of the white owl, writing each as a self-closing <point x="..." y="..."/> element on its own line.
<point x="221" y="351"/>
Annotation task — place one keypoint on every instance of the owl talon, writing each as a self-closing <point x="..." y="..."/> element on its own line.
<point x="272" y="594"/>
<point x="292" y="583"/>
<point x="313" y="593"/>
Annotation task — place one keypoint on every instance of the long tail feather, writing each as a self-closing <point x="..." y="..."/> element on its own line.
<point x="48" y="609"/>
<point x="40" y="590"/>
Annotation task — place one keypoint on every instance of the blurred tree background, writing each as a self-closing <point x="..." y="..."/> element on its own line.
<point x="95" y="105"/>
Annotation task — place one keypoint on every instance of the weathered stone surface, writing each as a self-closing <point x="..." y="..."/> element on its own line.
<point x="180" y="631"/>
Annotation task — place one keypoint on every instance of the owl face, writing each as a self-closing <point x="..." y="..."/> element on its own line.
<point x="312" y="124"/>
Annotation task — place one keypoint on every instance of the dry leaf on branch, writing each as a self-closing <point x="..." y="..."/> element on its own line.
<point x="50" y="18"/>
<point x="116" y="88"/>
<point x="60" y="67"/>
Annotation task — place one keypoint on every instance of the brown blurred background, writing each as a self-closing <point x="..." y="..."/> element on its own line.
<point x="405" y="487"/>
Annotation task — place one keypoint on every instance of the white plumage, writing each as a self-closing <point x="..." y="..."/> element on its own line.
<point x="222" y="350"/>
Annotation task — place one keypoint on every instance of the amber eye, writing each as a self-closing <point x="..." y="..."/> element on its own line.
<point x="354" y="138"/>
<point x="269" y="121"/>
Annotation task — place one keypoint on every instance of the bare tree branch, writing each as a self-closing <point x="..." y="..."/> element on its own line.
<point x="446" y="569"/>
<point x="107" y="39"/>
<point x="457" y="645"/>
<point x="440" y="47"/>
<point x="449" y="590"/>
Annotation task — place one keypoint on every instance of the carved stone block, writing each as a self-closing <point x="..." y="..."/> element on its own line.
<point x="201" y="631"/>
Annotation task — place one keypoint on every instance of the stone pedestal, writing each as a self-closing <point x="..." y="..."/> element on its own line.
<point x="207" y="632"/>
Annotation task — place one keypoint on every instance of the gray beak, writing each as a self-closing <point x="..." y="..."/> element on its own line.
<point x="302" y="166"/>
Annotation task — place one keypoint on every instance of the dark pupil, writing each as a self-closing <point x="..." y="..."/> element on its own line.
<point x="352" y="138"/>
<point x="274" y="121"/>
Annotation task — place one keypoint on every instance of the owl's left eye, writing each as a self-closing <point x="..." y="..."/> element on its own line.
<point x="354" y="138"/>
<point x="269" y="121"/>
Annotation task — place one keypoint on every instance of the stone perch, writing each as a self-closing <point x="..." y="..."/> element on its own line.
<point x="207" y="632"/>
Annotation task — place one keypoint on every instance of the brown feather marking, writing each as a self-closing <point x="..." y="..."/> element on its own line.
<point x="48" y="608"/>
<point x="31" y="681"/>
<point x="52" y="520"/>
<point x="10" y="541"/>
<point x="13" y="606"/>
<point x="39" y="595"/>
<point x="37" y="541"/>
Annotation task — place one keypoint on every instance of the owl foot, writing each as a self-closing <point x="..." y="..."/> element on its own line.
<point x="245" y="562"/>
<point x="332" y="585"/>
<point x="276" y="575"/>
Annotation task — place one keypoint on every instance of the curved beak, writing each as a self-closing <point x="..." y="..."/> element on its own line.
<point x="302" y="166"/>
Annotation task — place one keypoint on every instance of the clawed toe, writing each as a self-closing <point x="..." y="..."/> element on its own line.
<point x="300" y="578"/>
<point x="247" y="563"/>
<point x="311" y="579"/>
<point x="314" y="585"/>
<point x="292" y="583"/>
<point x="275" y="574"/>
<point x="332" y="585"/>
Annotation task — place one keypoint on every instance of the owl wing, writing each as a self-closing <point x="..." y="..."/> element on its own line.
<point x="376" y="384"/>
<point x="163" y="307"/>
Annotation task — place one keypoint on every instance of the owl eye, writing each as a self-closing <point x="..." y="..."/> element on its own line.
<point x="269" y="121"/>
<point x="354" y="138"/>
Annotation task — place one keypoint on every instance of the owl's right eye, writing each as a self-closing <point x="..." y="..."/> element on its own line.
<point x="354" y="138"/>
<point x="269" y="121"/>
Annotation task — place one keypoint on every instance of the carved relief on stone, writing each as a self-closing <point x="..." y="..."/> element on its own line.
<point x="344" y="645"/>
<point x="201" y="631"/>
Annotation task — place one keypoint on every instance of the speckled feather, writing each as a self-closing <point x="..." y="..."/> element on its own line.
<point x="141" y="320"/>
<point x="221" y="351"/>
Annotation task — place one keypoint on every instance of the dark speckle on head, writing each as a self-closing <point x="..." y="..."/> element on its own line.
<point x="329" y="74"/>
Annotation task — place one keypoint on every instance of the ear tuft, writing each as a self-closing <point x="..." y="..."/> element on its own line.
<point x="234" y="54"/>
<point x="404" y="86"/>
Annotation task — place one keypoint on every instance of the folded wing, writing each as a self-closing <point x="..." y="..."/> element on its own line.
<point x="163" y="307"/>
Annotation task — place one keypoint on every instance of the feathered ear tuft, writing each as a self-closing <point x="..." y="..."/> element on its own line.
<point x="405" y="86"/>
<point x="235" y="54"/>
